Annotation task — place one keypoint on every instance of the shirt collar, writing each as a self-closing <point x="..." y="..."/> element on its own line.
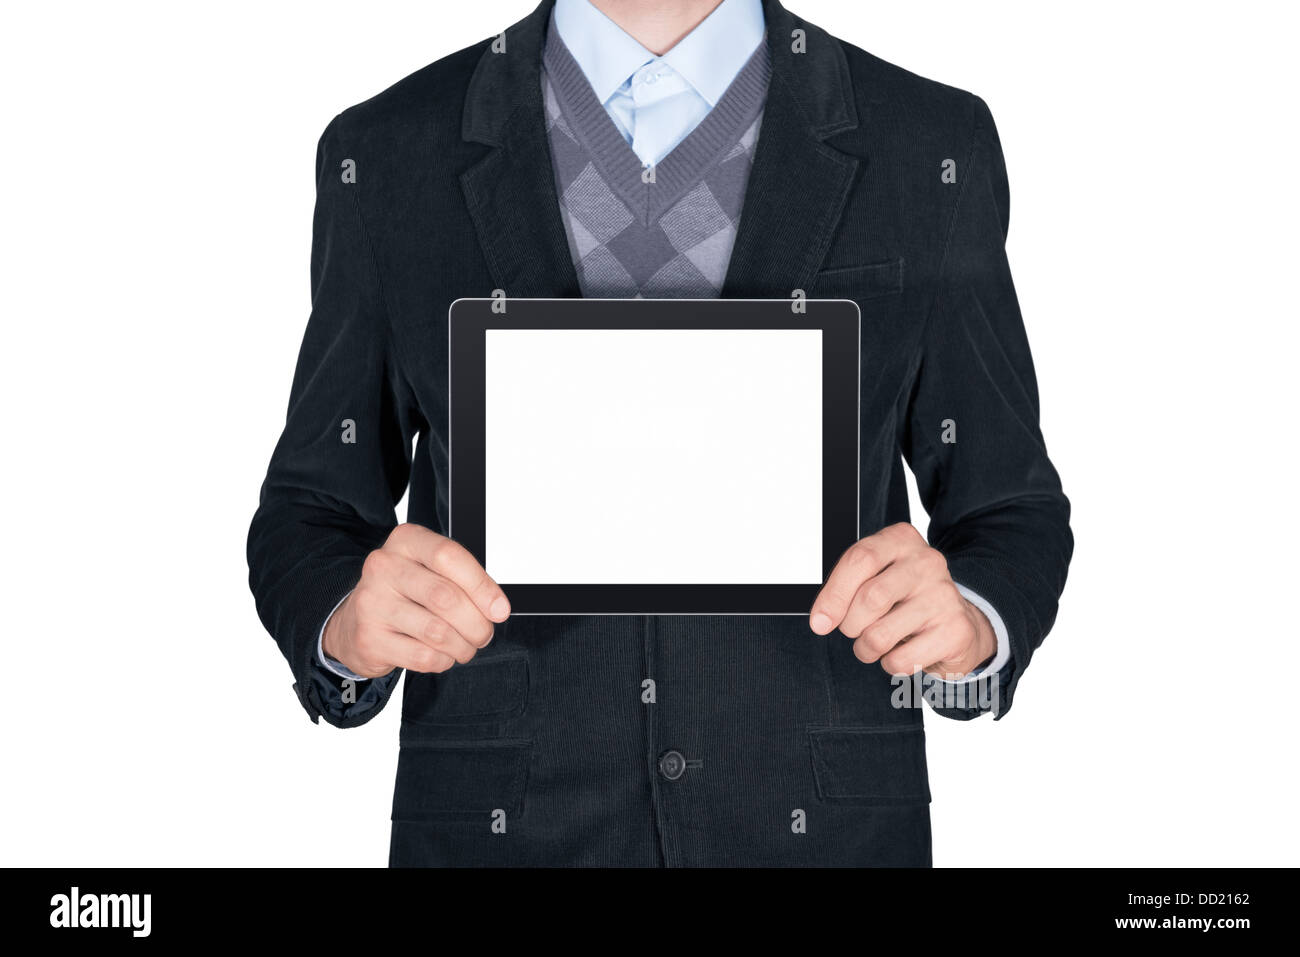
<point x="708" y="58"/>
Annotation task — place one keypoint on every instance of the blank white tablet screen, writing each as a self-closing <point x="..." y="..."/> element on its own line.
<point x="648" y="456"/>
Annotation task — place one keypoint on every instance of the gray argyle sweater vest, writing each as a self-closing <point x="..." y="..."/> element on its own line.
<point x="633" y="235"/>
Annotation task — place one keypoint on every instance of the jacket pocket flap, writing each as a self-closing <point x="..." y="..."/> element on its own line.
<point x="868" y="281"/>
<point x="883" y="766"/>
<point x="484" y="691"/>
<point x="460" y="780"/>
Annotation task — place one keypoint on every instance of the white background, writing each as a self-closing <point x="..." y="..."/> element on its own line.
<point x="613" y="435"/>
<point x="158" y="179"/>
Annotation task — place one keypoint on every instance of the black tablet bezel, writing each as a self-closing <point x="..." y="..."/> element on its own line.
<point x="840" y="321"/>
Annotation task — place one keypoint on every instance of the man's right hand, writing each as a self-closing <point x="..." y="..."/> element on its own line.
<point x="423" y="604"/>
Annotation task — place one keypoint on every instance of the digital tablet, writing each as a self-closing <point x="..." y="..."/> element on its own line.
<point x="654" y="457"/>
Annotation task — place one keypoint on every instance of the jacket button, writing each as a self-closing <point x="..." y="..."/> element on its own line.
<point x="672" y="765"/>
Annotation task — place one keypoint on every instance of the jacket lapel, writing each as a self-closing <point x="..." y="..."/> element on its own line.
<point x="799" y="184"/>
<point x="510" y="192"/>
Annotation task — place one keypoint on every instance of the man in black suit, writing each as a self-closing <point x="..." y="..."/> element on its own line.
<point x="662" y="740"/>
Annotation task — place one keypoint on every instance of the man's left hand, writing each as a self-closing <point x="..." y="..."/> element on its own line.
<point x="891" y="593"/>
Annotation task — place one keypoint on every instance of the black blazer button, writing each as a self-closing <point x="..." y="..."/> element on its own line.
<point x="672" y="765"/>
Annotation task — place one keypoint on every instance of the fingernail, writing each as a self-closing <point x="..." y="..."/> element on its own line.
<point x="500" y="608"/>
<point x="820" y="623"/>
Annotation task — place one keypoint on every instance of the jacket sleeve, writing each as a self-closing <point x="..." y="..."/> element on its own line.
<point x="344" y="458"/>
<point x="972" y="437"/>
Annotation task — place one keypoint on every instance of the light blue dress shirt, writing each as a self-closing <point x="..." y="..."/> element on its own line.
<point x="655" y="101"/>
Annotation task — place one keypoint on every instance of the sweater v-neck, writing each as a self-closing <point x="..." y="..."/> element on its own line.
<point x="683" y="167"/>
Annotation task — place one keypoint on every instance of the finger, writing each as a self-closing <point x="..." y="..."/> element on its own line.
<point x="403" y="651"/>
<point x="863" y="560"/>
<point x="907" y="618"/>
<point x="926" y="651"/>
<point x="911" y="655"/>
<point x="452" y="560"/>
<point x="443" y="598"/>
<point x="952" y="658"/>
<point x="418" y="622"/>
<point x="877" y="596"/>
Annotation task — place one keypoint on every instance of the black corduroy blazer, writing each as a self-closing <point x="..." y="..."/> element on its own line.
<point x="764" y="744"/>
